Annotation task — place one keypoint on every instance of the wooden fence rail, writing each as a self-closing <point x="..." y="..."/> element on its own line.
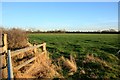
<point x="25" y="63"/>
<point x="17" y="52"/>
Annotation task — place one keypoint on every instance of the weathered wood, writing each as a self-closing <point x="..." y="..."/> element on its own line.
<point x="35" y="49"/>
<point x="10" y="69"/>
<point x="1" y="38"/>
<point x="1" y="50"/>
<point x="17" y="52"/>
<point x="44" y="47"/>
<point x="0" y="54"/>
<point x="4" y="58"/>
<point x="3" y="46"/>
<point x="5" y="43"/>
<point x="14" y="53"/>
<point x="3" y="67"/>
<point x="25" y="63"/>
<point x="1" y="63"/>
<point x="35" y="52"/>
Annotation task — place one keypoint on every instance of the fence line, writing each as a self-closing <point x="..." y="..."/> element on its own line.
<point x="9" y="56"/>
<point x="21" y="51"/>
<point x="17" y="52"/>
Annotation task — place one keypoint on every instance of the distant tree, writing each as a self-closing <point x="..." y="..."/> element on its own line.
<point x="112" y="30"/>
<point x="57" y="31"/>
<point x="38" y="31"/>
<point x="105" y="31"/>
<point x="98" y="30"/>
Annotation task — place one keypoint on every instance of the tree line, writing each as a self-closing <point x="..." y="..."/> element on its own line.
<point x="110" y="31"/>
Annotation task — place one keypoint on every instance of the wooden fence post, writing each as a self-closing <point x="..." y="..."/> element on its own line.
<point x="0" y="54"/>
<point x="0" y="38"/>
<point x="4" y="58"/>
<point x="44" y="47"/>
<point x="35" y="52"/>
<point x="10" y="69"/>
<point x="5" y="43"/>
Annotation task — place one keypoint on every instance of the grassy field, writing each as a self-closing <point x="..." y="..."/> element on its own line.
<point x="102" y="46"/>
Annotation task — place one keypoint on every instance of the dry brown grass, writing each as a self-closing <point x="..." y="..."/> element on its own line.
<point x="92" y="58"/>
<point x="46" y="69"/>
<point x="17" y="38"/>
<point x="70" y="64"/>
<point x="41" y="68"/>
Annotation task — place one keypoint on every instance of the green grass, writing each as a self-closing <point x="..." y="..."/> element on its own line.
<point x="103" y="46"/>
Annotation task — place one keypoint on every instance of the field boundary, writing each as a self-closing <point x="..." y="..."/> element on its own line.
<point x="7" y="57"/>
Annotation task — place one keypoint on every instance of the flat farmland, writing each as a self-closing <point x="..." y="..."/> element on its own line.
<point x="78" y="43"/>
<point x="102" y="46"/>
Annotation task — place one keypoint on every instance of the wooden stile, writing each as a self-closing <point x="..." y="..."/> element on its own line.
<point x="5" y="59"/>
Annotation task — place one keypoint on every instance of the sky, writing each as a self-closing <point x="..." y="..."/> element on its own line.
<point x="60" y="0"/>
<point x="72" y="16"/>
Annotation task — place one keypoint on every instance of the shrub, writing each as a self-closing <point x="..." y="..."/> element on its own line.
<point x="17" y="39"/>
